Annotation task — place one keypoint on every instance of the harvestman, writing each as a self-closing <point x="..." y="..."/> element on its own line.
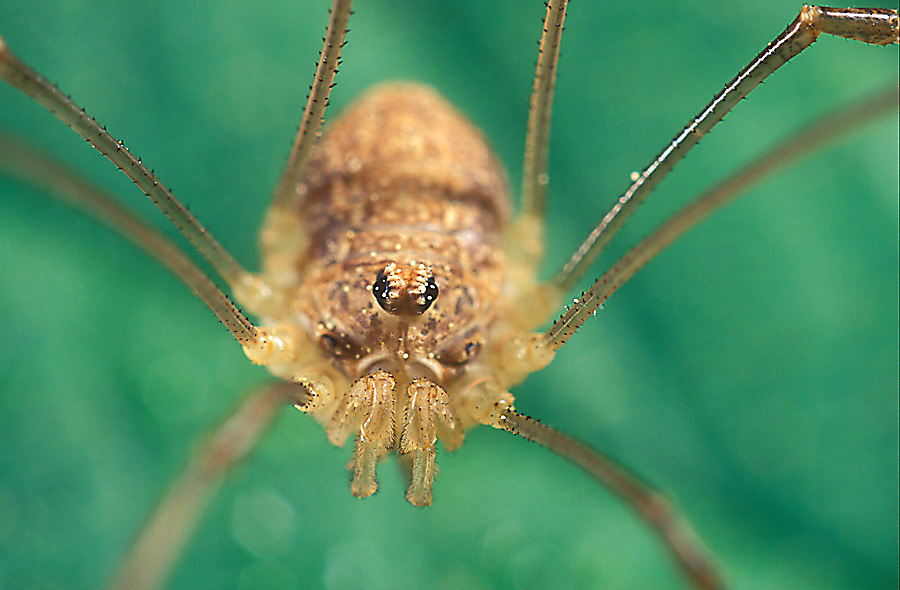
<point x="395" y="301"/>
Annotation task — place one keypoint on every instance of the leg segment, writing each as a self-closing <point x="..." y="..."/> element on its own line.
<point x="534" y="169"/>
<point x="525" y="238"/>
<point x="871" y="25"/>
<point x="802" y="144"/>
<point x="22" y="77"/>
<point x="37" y="168"/>
<point x="255" y="341"/>
<point x="316" y="101"/>
<point x="279" y="239"/>
<point x="680" y="540"/>
<point x="166" y="533"/>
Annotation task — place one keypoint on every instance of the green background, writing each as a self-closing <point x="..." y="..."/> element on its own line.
<point x="751" y="372"/>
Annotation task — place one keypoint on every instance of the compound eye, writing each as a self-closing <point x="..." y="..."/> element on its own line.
<point x="405" y="290"/>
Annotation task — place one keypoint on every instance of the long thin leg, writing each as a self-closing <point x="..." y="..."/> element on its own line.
<point x="21" y="76"/>
<point x="803" y="143"/>
<point x="650" y="505"/>
<point x="534" y="167"/>
<point x="38" y="169"/>
<point x="870" y="25"/>
<point x="164" y="536"/>
<point x="526" y="237"/>
<point x="261" y="345"/>
<point x="329" y="60"/>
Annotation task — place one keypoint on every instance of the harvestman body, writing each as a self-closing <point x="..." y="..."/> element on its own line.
<point x="398" y="281"/>
<point x="395" y="290"/>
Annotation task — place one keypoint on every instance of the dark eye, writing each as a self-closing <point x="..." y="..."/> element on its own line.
<point x="431" y="293"/>
<point x="380" y="289"/>
<point x="405" y="290"/>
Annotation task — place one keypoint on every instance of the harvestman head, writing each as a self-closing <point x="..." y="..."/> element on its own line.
<point x="393" y="289"/>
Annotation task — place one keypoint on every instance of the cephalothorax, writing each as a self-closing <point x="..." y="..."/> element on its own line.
<point x="397" y="301"/>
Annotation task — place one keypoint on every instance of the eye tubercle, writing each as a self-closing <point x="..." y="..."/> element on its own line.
<point x="405" y="290"/>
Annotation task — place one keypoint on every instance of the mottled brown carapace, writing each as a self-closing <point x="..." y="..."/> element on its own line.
<point x="394" y="272"/>
<point x="402" y="181"/>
